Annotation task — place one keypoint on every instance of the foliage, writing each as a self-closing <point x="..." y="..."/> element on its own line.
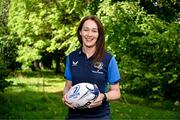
<point x="142" y="36"/>
<point x="147" y="52"/>
<point x="161" y="69"/>
<point x="3" y="74"/>
<point x="4" y="8"/>
<point x="44" y="27"/>
<point x="164" y="9"/>
<point x="7" y="56"/>
<point x="3" y="68"/>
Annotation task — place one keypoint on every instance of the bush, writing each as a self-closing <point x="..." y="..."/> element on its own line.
<point x="147" y="51"/>
<point x="3" y="75"/>
<point x="3" y="67"/>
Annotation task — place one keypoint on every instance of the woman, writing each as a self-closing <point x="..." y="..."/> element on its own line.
<point x="91" y="63"/>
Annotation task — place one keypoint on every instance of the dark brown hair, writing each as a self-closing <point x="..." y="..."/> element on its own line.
<point x="100" y="43"/>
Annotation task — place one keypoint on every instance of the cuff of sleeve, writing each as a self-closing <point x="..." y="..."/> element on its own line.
<point x="105" y="97"/>
<point x="113" y="83"/>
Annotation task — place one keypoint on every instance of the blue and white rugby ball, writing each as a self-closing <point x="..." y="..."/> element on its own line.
<point x="81" y="95"/>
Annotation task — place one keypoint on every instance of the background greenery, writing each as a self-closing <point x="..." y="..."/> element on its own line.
<point x="37" y="95"/>
<point x="36" y="35"/>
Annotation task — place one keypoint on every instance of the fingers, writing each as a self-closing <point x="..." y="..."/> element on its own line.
<point x="66" y="102"/>
<point x="69" y="105"/>
<point x="97" y="102"/>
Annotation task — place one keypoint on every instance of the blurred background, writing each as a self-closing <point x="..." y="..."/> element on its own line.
<point x="36" y="36"/>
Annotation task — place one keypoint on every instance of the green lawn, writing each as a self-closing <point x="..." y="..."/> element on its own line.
<point x="37" y="95"/>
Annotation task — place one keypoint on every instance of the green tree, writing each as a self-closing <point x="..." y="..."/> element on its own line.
<point x="143" y="45"/>
<point x="44" y="28"/>
<point x="146" y="44"/>
<point x="7" y="50"/>
<point x="164" y="9"/>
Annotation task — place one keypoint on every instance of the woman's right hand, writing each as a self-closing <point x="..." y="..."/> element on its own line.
<point x="66" y="102"/>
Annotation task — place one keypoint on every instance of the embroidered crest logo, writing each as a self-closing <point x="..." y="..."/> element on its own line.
<point x="98" y="65"/>
<point x="74" y="63"/>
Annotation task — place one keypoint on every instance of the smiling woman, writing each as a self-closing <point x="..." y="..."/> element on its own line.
<point x="92" y="64"/>
<point x="93" y="31"/>
<point x="89" y="34"/>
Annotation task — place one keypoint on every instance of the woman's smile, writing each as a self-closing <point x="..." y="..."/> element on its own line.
<point x="89" y="33"/>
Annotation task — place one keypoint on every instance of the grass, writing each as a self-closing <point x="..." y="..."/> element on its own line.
<point x="37" y="95"/>
<point x="32" y="105"/>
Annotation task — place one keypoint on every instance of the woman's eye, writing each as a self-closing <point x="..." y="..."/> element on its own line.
<point x="94" y="30"/>
<point x="85" y="29"/>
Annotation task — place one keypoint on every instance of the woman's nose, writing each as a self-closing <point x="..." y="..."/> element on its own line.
<point x="90" y="33"/>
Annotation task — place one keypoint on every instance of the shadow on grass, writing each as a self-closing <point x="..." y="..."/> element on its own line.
<point x="155" y="104"/>
<point x="32" y="105"/>
<point x="41" y="105"/>
<point x="37" y="74"/>
<point x="54" y="81"/>
<point x="31" y="85"/>
<point x="28" y="104"/>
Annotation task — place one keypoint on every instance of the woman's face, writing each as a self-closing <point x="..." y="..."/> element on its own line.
<point x="89" y="33"/>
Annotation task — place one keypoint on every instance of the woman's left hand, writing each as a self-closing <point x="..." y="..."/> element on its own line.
<point x="97" y="102"/>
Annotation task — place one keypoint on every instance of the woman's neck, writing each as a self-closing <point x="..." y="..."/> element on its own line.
<point x="89" y="51"/>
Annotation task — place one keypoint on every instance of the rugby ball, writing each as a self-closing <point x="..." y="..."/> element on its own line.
<point x="82" y="94"/>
